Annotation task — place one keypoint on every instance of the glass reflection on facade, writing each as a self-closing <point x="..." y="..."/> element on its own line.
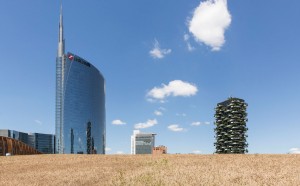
<point x="80" y="116"/>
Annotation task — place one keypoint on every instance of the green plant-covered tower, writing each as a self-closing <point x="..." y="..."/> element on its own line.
<point x="230" y="131"/>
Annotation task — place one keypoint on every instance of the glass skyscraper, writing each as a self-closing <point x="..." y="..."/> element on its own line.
<point x="80" y="103"/>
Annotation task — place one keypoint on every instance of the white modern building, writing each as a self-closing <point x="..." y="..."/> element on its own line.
<point x="142" y="143"/>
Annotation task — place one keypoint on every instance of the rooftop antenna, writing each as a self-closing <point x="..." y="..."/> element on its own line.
<point x="61" y="40"/>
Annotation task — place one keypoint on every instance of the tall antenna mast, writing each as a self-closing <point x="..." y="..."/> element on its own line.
<point x="61" y="40"/>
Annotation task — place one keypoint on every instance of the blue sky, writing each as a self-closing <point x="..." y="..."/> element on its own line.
<point x="160" y="56"/>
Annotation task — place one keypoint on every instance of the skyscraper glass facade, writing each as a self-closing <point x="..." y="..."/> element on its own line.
<point x="80" y="103"/>
<point x="80" y="116"/>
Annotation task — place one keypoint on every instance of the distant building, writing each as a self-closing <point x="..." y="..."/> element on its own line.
<point x="10" y="146"/>
<point x="159" y="150"/>
<point x="231" y="118"/>
<point x="44" y="143"/>
<point x="21" y="136"/>
<point x="5" y="133"/>
<point x="142" y="143"/>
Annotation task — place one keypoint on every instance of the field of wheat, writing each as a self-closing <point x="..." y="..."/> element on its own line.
<point x="150" y="170"/>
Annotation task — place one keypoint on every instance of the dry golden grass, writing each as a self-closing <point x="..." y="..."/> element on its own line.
<point x="150" y="170"/>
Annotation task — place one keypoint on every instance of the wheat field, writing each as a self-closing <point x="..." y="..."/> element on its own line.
<point x="150" y="170"/>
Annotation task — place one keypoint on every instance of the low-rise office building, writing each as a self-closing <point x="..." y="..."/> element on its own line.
<point x="142" y="143"/>
<point x="21" y="136"/>
<point x="44" y="143"/>
<point x="159" y="150"/>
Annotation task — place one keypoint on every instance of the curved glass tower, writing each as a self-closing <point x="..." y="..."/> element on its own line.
<point x="80" y="104"/>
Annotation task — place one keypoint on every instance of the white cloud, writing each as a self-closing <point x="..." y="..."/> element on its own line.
<point x="174" y="88"/>
<point x="186" y="38"/>
<point x="157" y="52"/>
<point x="209" y="22"/>
<point x="107" y="149"/>
<point x="151" y="100"/>
<point x="162" y="108"/>
<point x="190" y="47"/>
<point x="198" y="123"/>
<point x="158" y="113"/>
<point x="294" y="151"/>
<point x="197" y="152"/>
<point x="155" y="100"/>
<point x="119" y="152"/>
<point x="149" y="123"/>
<point x="183" y="114"/>
<point x="175" y="128"/>
<point x="38" y="122"/>
<point x="118" y="122"/>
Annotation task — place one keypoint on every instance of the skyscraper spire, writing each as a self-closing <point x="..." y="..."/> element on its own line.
<point x="61" y="40"/>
